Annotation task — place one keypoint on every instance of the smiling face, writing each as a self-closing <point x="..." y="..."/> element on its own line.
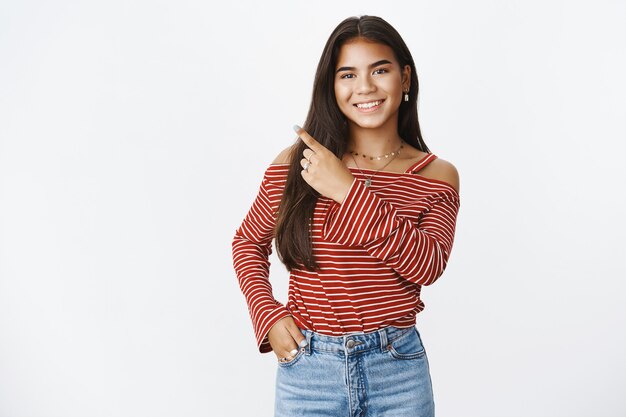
<point x="369" y="84"/>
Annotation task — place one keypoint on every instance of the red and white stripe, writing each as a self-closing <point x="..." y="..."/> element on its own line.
<point x="375" y="249"/>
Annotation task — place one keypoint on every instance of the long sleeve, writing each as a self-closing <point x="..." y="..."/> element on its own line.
<point x="418" y="251"/>
<point x="252" y="246"/>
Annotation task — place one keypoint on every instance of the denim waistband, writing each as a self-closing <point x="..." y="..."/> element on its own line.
<point x="352" y="343"/>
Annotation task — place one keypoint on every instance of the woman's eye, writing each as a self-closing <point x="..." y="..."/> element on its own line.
<point x="375" y="71"/>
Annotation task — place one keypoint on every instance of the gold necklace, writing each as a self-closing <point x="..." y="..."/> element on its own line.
<point x="368" y="181"/>
<point x="382" y="156"/>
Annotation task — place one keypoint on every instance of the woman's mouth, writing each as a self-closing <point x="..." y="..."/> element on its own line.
<point x="369" y="106"/>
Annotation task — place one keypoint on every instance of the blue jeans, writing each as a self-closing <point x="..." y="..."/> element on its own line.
<point x="380" y="373"/>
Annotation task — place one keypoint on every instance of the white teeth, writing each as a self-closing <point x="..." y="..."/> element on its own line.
<point x="369" y="105"/>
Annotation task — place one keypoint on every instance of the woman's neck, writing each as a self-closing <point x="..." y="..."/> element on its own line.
<point x="373" y="142"/>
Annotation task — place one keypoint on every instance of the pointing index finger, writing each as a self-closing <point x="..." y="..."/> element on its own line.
<point x="308" y="139"/>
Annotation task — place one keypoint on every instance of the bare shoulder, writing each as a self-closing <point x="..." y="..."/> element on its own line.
<point x="443" y="170"/>
<point x="284" y="157"/>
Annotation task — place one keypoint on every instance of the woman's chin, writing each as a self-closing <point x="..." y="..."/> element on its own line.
<point x="366" y="124"/>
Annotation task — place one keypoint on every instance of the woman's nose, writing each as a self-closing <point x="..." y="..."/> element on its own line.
<point x="364" y="85"/>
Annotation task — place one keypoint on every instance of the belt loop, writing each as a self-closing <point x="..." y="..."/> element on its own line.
<point x="383" y="339"/>
<point x="308" y="334"/>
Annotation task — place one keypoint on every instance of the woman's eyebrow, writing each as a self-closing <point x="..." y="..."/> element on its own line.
<point x="375" y="64"/>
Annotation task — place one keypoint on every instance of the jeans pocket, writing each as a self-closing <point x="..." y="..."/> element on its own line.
<point x="294" y="360"/>
<point x="407" y="346"/>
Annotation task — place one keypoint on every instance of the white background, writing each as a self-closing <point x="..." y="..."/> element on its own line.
<point x="133" y="138"/>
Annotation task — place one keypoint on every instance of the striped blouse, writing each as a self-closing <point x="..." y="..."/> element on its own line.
<point x="375" y="250"/>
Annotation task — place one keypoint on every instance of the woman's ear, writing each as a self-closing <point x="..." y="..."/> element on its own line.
<point x="406" y="77"/>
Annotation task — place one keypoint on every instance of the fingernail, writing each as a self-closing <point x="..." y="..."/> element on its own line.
<point x="296" y="128"/>
<point x="293" y="352"/>
<point x="303" y="343"/>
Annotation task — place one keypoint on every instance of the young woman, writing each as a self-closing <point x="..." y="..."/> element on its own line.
<point x="363" y="215"/>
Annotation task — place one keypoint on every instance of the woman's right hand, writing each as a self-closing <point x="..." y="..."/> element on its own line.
<point x="285" y="336"/>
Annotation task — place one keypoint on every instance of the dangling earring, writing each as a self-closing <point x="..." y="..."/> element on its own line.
<point x="406" y="95"/>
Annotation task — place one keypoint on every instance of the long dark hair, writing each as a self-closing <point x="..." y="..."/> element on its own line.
<point x="327" y="124"/>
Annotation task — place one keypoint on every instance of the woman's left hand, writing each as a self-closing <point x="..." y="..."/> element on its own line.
<point x="326" y="173"/>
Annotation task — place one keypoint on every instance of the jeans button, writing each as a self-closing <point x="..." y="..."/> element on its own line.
<point x="350" y="343"/>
